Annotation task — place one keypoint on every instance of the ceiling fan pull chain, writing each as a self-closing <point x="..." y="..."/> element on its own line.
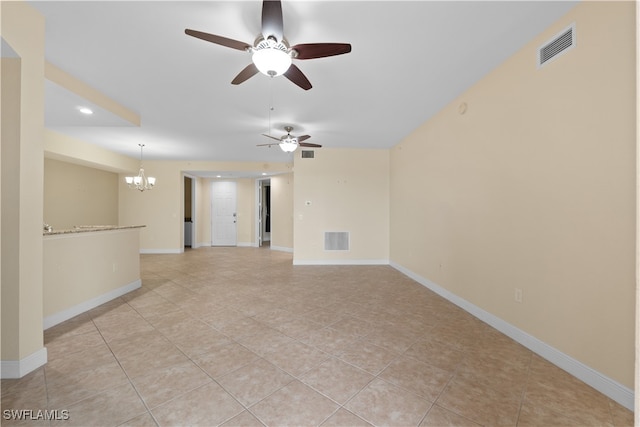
<point x="270" y="102"/>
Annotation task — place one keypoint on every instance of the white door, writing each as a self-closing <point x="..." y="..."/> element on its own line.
<point x="223" y="214"/>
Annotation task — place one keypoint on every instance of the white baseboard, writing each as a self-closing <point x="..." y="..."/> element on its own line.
<point x="247" y="245"/>
<point x="161" y="251"/>
<point x="281" y="249"/>
<point x="605" y="385"/>
<point x="20" y="368"/>
<point x="341" y="262"/>
<point x="67" y="314"/>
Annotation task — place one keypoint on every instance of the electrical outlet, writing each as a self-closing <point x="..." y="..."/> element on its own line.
<point x="518" y="295"/>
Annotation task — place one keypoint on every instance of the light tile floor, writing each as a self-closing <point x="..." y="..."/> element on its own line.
<point x="240" y="337"/>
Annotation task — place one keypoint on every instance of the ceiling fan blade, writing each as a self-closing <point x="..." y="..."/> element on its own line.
<point x="223" y="41"/>
<point x="266" y="145"/>
<point x="272" y="19"/>
<point x="272" y="137"/>
<point x="308" y="144"/>
<point x="303" y="138"/>
<point x="244" y="75"/>
<point x="320" y="50"/>
<point x="295" y="75"/>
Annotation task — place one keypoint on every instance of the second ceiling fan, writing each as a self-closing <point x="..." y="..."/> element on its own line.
<point x="288" y="143"/>
<point x="271" y="53"/>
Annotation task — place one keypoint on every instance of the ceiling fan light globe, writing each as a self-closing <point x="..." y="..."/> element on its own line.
<point x="288" y="146"/>
<point x="271" y="61"/>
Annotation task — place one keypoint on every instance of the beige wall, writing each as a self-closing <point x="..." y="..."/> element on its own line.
<point x="246" y="202"/>
<point x="23" y="28"/>
<point x="348" y="190"/>
<point x="79" y="195"/>
<point x="160" y="209"/>
<point x="105" y="260"/>
<point x="282" y="212"/>
<point x="203" y="209"/>
<point x="534" y="188"/>
<point x="10" y="207"/>
<point x="637" y="248"/>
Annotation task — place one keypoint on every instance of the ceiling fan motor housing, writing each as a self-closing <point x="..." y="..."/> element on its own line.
<point x="288" y="138"/>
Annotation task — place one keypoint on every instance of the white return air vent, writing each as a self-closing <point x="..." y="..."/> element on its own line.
<point x="561" y="43"/>
<point x="336" y="240"/>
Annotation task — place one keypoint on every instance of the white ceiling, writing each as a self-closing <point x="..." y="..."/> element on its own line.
<point x="409" y="60"/>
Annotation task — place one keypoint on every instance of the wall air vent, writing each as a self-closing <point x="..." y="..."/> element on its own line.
<point x="559" y="44"/>
<point x="336" y="240"/>
<point x="308" y="154"/>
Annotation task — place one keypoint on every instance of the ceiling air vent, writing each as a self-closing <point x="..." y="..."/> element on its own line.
<point x="559" y="44"/>
<point x="307" y="154"/>
<point x="336" y="240"/>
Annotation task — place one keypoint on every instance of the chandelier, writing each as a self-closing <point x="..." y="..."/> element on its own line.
<point x="140" y="182"/>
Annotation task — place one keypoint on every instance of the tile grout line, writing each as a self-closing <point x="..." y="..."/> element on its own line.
<point x="144" y="403"/>
<point x="524" y="389"/>
<point x="195" y="363"/>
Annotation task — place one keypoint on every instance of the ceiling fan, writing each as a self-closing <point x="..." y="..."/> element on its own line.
<point x="288" y="143"/>
<point x="271" y="53"/>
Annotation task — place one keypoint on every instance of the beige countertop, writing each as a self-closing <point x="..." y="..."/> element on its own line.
<point x="89" y="229"/>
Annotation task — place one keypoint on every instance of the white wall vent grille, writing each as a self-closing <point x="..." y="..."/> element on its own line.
<point x="559" y="44"/>
<point x="336" y="240"/>
<point x="308" y="154"/>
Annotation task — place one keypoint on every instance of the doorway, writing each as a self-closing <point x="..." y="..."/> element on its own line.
<point x="223" y="213"/>
<point x="189" y="212"/>
<point x="264" y="217"/>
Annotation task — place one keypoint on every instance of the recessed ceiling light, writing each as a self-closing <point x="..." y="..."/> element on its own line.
<point x="218" y="176"/>
<point x="85" y="110"/>
<point x="264" y="173"/>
